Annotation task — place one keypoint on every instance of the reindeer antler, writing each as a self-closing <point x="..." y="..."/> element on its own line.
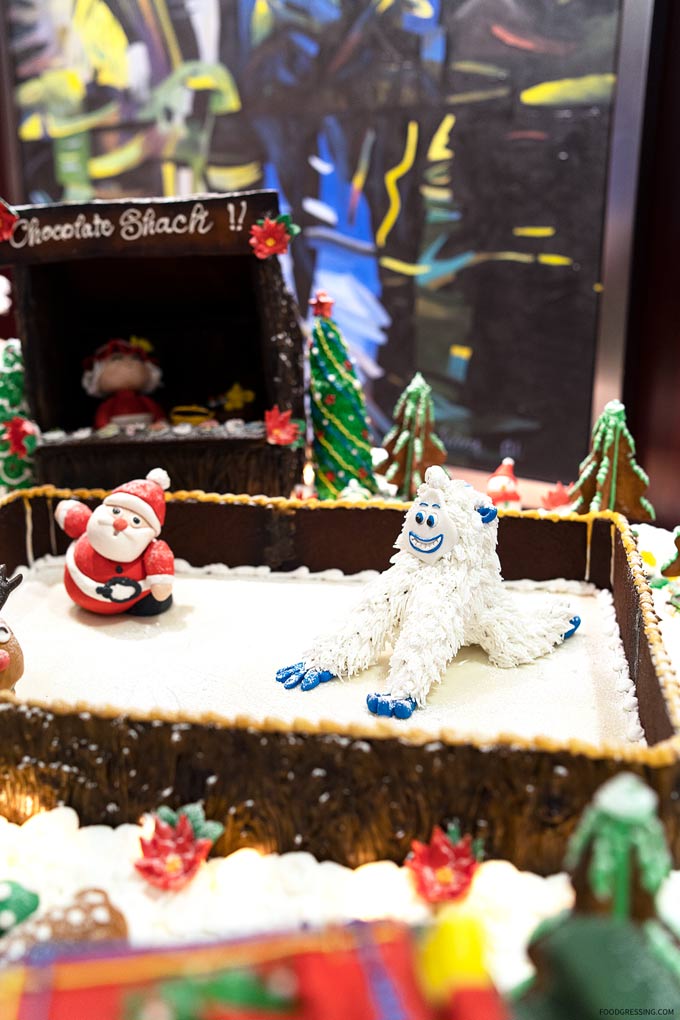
<point x="7" y="587"/>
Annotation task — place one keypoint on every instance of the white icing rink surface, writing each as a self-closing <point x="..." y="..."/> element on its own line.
<point x="218" y="648"/>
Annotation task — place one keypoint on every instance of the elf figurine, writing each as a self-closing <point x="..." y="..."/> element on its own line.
<point x="116" y="563"/>
<point x="123" y="372"/>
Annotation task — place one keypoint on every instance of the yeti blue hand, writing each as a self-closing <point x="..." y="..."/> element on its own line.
<point x="383" y="704"/>
<point x="575" y="624"/>
<point x="306" y="677"/>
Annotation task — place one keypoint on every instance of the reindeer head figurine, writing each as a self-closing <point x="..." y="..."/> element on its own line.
<point x="11" y="656"/>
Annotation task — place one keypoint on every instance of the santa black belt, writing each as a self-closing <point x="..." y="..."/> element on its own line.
<point x="105" y="591"/>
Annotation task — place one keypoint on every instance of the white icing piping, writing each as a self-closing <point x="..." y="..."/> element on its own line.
<point x="53" y="533"/>
<point x="28" y="513"/>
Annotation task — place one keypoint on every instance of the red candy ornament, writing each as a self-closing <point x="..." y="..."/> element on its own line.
<point x="443" y="868"/>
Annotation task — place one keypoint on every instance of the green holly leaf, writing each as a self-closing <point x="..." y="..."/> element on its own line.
<point x="210" y="830"/>
<point x="16" y="904"/>
<point x="196" y="816"/>
<point x="167" y="815"/>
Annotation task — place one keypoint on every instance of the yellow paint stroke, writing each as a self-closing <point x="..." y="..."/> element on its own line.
<point x="477" y="96"/>
<point x="533" y="231"/>
<point x="168" y="32"/>
<point x="94" y="22"/>
<point x="57" y="127"/>
<point x="31" y="129"/>
<point x="234" y="178"/>
<point x="436" y="194"/>
<point x="383" y="5"/>
<point x="555" y="260"/>
<point x="407" y="268"/>
<point x="261" y="22"/>
<point x="504" y="256"/>
<point x="391" y="178"/>
<point x="591" y="88"/>
<point x="439" y="146"/>
<point x="475" y="67"/>
<point x="438" y="174"/>
<point x="460" y="351"/>
<point x="420" y="8"/>
<point x="126" y="157"/>
<point x="169" y="178"/>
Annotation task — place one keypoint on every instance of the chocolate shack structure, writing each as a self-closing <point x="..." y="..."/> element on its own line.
<point x="180" y="272"/>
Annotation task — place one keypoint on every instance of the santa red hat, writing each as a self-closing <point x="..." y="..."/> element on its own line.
<point x="502" y="485"/>
<point x="144" y="496"/>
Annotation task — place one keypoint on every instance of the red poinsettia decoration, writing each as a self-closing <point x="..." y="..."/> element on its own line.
<point x="443" y="868"/>
<point x="181" y="841"/>
<point x="17" y="431"/>
<point x="554" y="498"/>
<point x="271" y="237"/>
<point x="281" y="429"/>
<point x="7" y="220"/>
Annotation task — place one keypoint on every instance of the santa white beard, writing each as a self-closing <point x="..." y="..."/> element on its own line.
<point x="123" y="546"/>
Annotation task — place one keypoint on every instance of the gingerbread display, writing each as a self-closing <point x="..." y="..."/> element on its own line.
<point x="116" y="564"/>
<point x="123" y="373"/>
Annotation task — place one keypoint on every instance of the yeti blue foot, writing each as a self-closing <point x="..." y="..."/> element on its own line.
<point x="307" y="678"/>
<point x="575" y="624"/>
<point x="383" y="704"/>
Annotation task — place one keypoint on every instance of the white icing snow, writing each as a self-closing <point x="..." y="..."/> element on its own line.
<point x="248" y="893"/>
<point x="217" y="651"/>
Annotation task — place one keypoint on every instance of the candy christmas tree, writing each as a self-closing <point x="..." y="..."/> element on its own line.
<point x="609" y="477"/>
<point x="341" y="448"/>
<point x="672" y="567"/>
<point x="18" y="435"/>
<point x="618" y="855"/>
<point x="412" y="445"/>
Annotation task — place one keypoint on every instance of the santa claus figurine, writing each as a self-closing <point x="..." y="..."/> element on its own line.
<point x="124" y="373"/>
<point x="503" y="488"/>
<point x="116" y="563"/>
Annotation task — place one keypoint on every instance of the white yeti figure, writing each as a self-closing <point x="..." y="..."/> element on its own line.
<point x="443" y="590"/>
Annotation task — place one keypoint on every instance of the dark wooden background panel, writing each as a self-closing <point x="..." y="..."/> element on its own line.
<point x="652" y="383"/>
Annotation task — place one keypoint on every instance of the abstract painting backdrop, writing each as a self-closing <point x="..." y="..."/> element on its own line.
<point x="446" y="160"/>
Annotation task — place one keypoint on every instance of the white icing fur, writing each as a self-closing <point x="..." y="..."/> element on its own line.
<point x="428" y="611"/>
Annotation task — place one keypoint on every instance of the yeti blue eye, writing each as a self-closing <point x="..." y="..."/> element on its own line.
<point x="431" y="521"/>
<point x="419" y="518"/>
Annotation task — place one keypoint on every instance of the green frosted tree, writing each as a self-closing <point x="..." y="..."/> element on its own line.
<point x="412" y="445"/>
<point x="341" y="449"/>
<point x="621" y="847"/>
<point x="609" y="477"/>
<point x="18" y="434"/>
<point x="672" y="567"/>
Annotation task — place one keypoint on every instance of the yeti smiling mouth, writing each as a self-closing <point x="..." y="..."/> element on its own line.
<point x="425" y="545"/>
